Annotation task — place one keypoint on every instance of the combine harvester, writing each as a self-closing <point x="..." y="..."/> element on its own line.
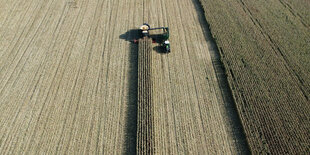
<point x="161" y="39"/>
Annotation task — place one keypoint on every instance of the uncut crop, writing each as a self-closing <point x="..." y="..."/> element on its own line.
<point x="264" y="46"/>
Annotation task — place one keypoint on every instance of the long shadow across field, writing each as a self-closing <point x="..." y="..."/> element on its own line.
<point x="230" y="112"/>
<point x="132" y="108"/>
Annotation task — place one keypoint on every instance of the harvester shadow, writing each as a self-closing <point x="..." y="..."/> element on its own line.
<point x="130" y="35"/>
<point x="160" y="49"/>
<point x="132" y="108"/>
<point x="226" y="92"/>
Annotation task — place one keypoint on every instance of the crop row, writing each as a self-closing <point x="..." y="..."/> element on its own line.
<point x="263" y="48"/>
<point x="145" y="117"/>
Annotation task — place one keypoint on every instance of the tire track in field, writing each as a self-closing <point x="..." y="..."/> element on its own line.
<point x="257" y="73"/>
<point x="62" y="37"/>
<point x="277" y="135"/>
<point x="294" y="13"/>
<point x="5" y="36"/>
<point x="64" y="85"/>
<point x="228" y="109"/>
<point x="17" y="114"/>
<point x="31" y="95"/>
<point x="13" y="51"/>
<point x="277" y="49"/>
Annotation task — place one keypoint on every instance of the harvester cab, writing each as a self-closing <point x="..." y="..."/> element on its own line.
<point x="160" y="37"/>
<point x="144" y="30"/>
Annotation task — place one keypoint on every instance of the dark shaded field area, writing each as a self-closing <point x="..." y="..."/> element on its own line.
<point x="264" y="46"/>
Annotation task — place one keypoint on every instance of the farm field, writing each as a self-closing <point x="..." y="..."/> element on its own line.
<point x="69" y="80"/>
<point x="264" y="46"/>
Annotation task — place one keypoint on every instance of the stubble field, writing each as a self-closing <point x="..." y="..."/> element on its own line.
<point x="69" y="80"/>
